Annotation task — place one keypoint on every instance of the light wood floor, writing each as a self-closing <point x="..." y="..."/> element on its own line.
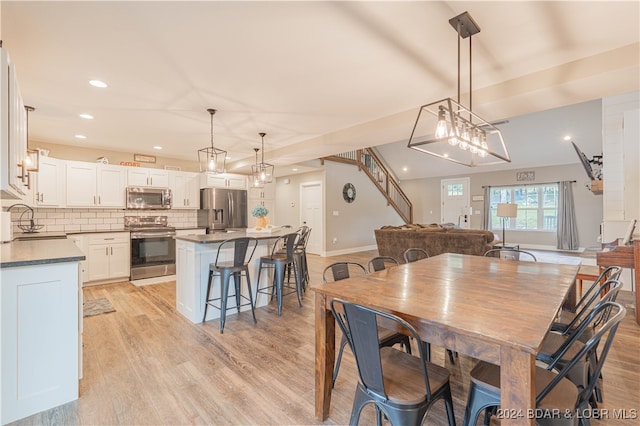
<point x="145" y="364"/>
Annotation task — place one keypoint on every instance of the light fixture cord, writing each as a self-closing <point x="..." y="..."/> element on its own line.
<point x="212" y="150"/>
<point x="470" y="80"/>
<point x="262" y="153"/>
<point x="459" y="37"/>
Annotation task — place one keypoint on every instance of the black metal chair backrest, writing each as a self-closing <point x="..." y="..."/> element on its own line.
<point x="509" y="254"/>
<point x="286" y="243"/>
<point x="243" y="249"/>
<point x="359" y="325"/>
<point x="587" y="351"/>
<point x="609" y="273"/>
<point x="414" y="254"/>
<point x="303" y="237"/>
<point x="379" y="263"/>
<point x="340" y="270"/>
<point x="609" y="289"/>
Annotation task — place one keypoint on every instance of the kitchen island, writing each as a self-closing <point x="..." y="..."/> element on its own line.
<point x="40" y="301"/>
<point x="194" y="254"/>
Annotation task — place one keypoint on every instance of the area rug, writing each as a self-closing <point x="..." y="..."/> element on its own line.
<point x="97" y="307"/>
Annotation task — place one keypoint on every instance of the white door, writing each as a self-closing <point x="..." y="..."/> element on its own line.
<point x="456" y="202"/>
<point x="311" y="214"/>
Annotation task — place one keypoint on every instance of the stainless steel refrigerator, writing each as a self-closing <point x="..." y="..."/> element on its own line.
<point x="222" y="208"/>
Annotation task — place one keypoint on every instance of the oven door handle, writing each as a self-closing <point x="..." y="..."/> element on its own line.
<point x="141" y="235"/>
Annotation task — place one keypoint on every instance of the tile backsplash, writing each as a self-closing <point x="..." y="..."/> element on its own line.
<point x="90" y="220"/>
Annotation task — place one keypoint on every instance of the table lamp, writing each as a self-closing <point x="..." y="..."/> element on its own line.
<point x="506" y="210"/>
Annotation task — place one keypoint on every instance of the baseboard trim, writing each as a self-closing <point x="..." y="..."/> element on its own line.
<point x="547" y="248"/>
<point x="348" y="251"/>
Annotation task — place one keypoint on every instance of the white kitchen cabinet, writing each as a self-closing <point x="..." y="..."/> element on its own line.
<point x="39" y="338"/>
<point x="49" y="183"/>
<point x="111" y="185"/>
<point x="108" y="256"/>
<point x="222" y="180"/>
<point x="13" y="132"/>
<point x="184" y="190"/>
<point x="153" y="178"/>
<point x="95" y="185"/>
<point x="263" y="197"/>
<point x="80" y="240"/>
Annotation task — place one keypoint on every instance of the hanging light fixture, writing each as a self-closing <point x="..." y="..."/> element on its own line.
<point x="255" y="177"/>
<point x="449" y="130"/>
<point x="212" y="159"/>
<point x="262" y="172"/>
<point x="32" y="160"/>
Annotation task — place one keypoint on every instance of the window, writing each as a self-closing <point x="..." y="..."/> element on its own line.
<point x="455" y="190"/>
<point x="537" y="207"/>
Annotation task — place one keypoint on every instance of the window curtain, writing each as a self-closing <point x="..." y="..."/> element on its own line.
<point x="487" y="208"/>
<point x="567" y="228"/>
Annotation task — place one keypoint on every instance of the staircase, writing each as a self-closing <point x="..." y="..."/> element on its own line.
<point x="367" y="161"/>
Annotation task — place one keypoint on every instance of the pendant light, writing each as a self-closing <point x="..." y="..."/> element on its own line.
<point x="458" y="134"/>
<point x="255" y="178"/>
<point x="262" y="172"/>
<point x="212" y="159"/>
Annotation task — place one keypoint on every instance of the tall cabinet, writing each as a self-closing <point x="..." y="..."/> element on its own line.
<point x="13" y="132"/>
<point x="263" y="197"/>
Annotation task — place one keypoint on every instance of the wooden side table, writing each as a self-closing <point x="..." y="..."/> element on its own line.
<point x="586" y="272"/>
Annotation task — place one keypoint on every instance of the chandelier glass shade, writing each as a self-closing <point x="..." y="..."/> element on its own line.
<point x="449" y="130"/>
<point x="255" y="181"/>
<point x="32" y="160"/>
<point x="261" y="172"/>
<point x="212" y="159"/>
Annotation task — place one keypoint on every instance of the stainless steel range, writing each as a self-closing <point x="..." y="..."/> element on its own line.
<point x="153" y="246"/>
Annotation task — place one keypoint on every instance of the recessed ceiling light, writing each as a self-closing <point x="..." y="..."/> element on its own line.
<point x="98" y="83"/>
<point x="567" y="138"/>
<point x="86" y="116"/>
<point x="405" y="168"/>
<point x="294" y="170"/>
<point x="157" y="147"/>
<point x="80" y="137"/>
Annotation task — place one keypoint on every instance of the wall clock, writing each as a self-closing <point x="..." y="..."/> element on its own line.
<point x="349" y="192"/>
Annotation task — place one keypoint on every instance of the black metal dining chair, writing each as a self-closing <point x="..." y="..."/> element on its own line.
<point x="236" y="267"/>
<point x="282" y="255"/>
<point x="340" y="271"/>
<point x="379" y="263"/>
<point x="511" y="254"/>
<point x="402" y="387"/>
<point x="555" y="393"/>
<point x="414" y="254"/>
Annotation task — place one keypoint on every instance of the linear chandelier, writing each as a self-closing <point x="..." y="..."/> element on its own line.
<point x="262" y="172"/>
<point x="449" y="130"/>
<point x="212" y="159"/>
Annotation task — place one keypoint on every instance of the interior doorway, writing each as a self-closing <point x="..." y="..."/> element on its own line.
<point x="311" y="214"/>
<point x="456" y="202"/>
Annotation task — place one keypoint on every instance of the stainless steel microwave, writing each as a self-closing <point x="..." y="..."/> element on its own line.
<point x="140" y="198"/>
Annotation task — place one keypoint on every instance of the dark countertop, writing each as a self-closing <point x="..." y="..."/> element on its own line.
<point x="219" y="237"/>
<point x="38" y="235"/>
<point x="40" y="252"/>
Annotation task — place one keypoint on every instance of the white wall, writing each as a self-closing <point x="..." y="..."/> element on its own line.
<point x="425" y="194"/>
<point x="353" y="227"/>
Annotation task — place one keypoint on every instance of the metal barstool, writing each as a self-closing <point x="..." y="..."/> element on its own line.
<point x="278" y="261"/>
<point x="236" y="267"/>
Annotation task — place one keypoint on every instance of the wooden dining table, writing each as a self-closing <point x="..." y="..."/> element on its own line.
<point x="492" y="309"/>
